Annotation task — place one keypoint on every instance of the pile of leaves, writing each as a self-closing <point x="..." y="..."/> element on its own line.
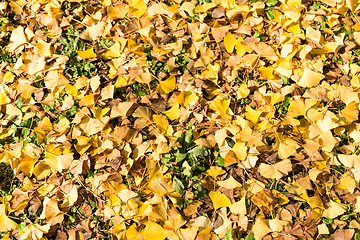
<point x="180" y="120"/>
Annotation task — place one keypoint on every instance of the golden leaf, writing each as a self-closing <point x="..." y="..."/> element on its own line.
<point x="230" y="42"/>
<point x="154" y="231"/>
<point x="168" y="85"/>
<point x="277" y="170"/>
<point x="87" y="53"/>
<point x="310" y="78"/>
<point x="219" y="200"/>
<point x="92" y="33"/>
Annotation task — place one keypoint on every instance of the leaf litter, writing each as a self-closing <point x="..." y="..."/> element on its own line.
<point x="179" y="120"/>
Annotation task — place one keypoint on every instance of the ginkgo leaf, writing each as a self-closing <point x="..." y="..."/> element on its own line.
<point x="51" y="209"/>
<point x="277" y="225"/>
<point x="186" y="97"/>
<point x="107" y="92"/>
<point x="336" y="209"/>
<point x="219" y="200"/>
<point x="121" y="109"/>
<point x="87" y="53"/>
<point x="354" y="5"/>
<point x="43" y="48"/>
<point x="173" y="113"/>
<point x="239" y="207"/>
<point x="350" y="112"/>
<point x="323" y="229"/>
<point x="266" y="51"/>
<point x="71" y="198"/>
<point x="6" y="224"/>
<point x="114" y="51"/>
<point x="219" y="32"/>
<point x="168" y="85"/>
<point x="240" y="150"/>
<point x="92" y="33"/>
<point x="154" y="231"/>
<point x="17" y="38"/>
<point x="229" y="183"/>
<point x="221" y="106"/>
<point x="34" y="231"/>
<point x="230" y="42"/>
<point x="260" y="228"/>
<point x="277" y="170"/>
<point x="310" y="78"/>
<point x="252" y="114"/>
<point x="243" y="91"/>
<point x="347" y="182"/>
<point x="215" y="171"/>
<point x="87" y="100"/>
<point x="161" y="121"/>
<point x="26" y="165"/>
<point x="143" y="112"/>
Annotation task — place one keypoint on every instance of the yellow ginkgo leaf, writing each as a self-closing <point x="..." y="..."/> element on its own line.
<point x="277" y="170"/>
<point x="219" y="200"/>
<point x="113" y="51"/>
<point x="17" y="38"/>
<point x="161" y="121"/>
<point x="323" y="229"/>
<point x="230" y="42"/>
<point x="186" y="97"/>
<point x="336" y="209"/>
<point x="131" y="232"/>
<point x="6" y="224"/>
<point x="93" y="32"/>
<point x="154" y="231"/>
<point x="354" y="5"/>
<point x="173" y="113"/>
<point x="221" y="105"/>
<point x="287" y="147"/>
<point x="119" y="11"/>
<point x="299" y="107"/>
<point x="309" y="78"/>
<point x="26" y="90"/>
<point x="229" y="183"/>
<point x="240" y="48"/>
<point x="347" y="182"/>
<point x="50" y="209"/>
<point x="87" y="100"/>
<point x="240" y="150"/>
<point x="261" y="228"/>
<point x="42" y="170"/>
<point x="26" y="165"/>
<point x="350" y="112"/>
<point x="43" y="48"/>
<point x="107" y="92"/>
<point x="252" y="114"/>
<point x="215" y="171"/>
<point x="168" y="85"/>
<point x="239" y="207"/>
<point x="121" y="109"/>
<point x="87" y="54"/>
<point x="243" y="91"/>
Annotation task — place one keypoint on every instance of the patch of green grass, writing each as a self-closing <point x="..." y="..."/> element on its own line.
<point x="186" y="164"/>
<point x="8" y="182"/>
<point x="274" y="184"/>
<point x="71" y="43"/>
<point x="105" y="43"/>
<point x="3" y="21"/>
<point x="282" y="108"/>
<point x="315" y="6"/>
<point x="200" y="2"/>
<point x="7" y="57"/>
